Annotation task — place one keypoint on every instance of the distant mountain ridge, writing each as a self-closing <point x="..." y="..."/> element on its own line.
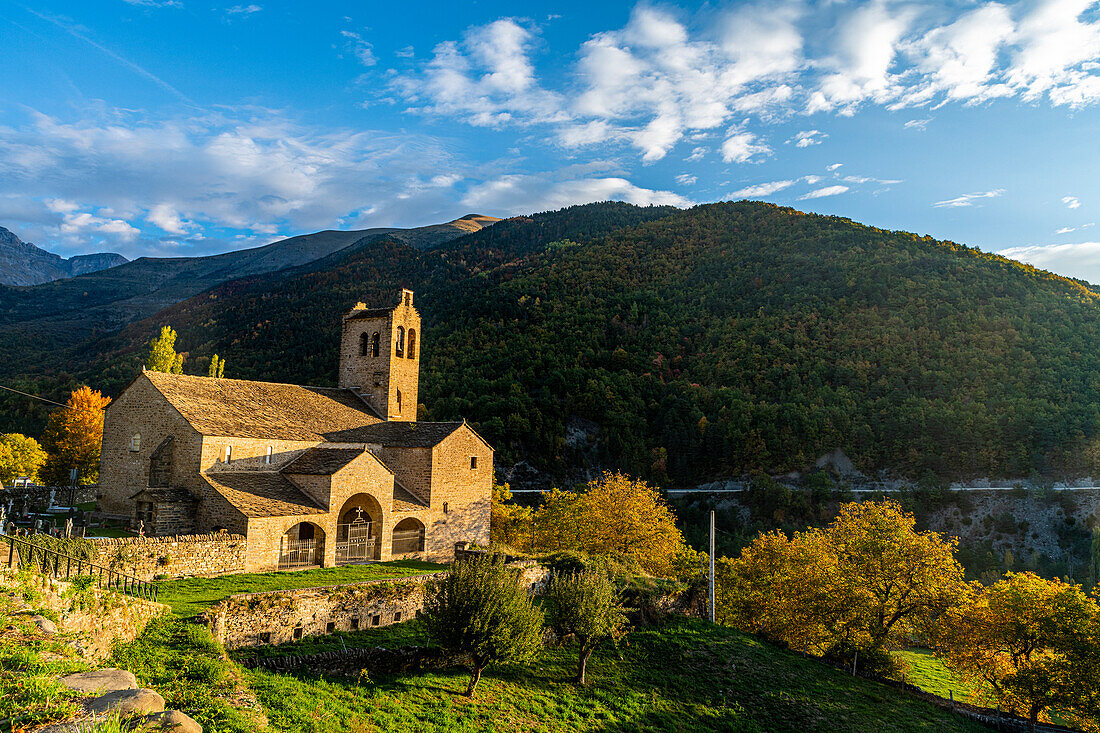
<point x="22" y="263"/>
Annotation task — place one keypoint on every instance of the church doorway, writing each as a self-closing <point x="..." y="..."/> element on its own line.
<point x="357" y="531"/>
<point x="408" y="536"/>
<point x="301" y="546"/>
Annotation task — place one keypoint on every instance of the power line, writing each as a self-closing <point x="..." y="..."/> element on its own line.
<point x="43" y="399"/>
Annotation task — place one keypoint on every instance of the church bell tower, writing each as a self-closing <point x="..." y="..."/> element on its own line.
<point x="380" y="357"/>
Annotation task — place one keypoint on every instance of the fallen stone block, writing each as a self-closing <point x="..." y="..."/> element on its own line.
<point x="44" y="624"/>
<point x="101" y="680"/>
<point x="127" y="702"/>
<point x="171" y="720"/>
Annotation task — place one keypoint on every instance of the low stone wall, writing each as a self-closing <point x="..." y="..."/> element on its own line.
<point x="375" y="660"/>
<point x="276" y="617"/>
<point x="179" y="556"/>
<point x="40" y="498"/>
<point x="98" y="617"/>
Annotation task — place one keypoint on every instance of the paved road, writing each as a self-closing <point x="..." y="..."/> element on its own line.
<point x="697" y="490"/>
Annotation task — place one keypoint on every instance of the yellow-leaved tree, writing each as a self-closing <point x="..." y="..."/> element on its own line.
<point x="19" y="456"/>
<point x="1034" y="642"/>
<point x="614" y="514"/>
<point x="510" y="523"/>
<point x="855" y="589"/>
<point x="73" y="438"/>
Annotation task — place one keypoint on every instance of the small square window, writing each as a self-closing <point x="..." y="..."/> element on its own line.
<point x="375" y="620"/>
<point x="298" y="632"/>
<point x="265" y="638"/>
<point x="473" y="462"/>
<point x="354" y="623"/>
<point x="330" y="627"/>
<point x="397" y="617"/>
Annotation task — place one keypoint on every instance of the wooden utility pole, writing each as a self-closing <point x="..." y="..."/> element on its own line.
<point x="710" y="605"/>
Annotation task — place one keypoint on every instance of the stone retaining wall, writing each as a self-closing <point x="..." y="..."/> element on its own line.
<point x="375" y="660"/>
<point x="178" y="556"/>
<point x="276" y="617"/>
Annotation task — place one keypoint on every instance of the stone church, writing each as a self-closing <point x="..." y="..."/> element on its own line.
<point x="309" y="475"/>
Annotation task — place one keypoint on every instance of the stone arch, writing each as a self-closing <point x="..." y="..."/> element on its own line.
<point x="302" y="545"/>
<point x="400" y="348"/>
<point x="408" y="536"/>
<point x="375" y="344"/>
<point x="359" y="530"/>
<point x="364" y="344"/>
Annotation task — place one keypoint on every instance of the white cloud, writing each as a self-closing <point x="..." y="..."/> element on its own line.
<point x="1080" y="259"/>
<point x="243" y="9"/>
<point x="165" y="217"/>
<point x="823" y="192"/>
<point x="759" y="190"/>
<point x="359" y="46"/>
<point x="524" y="193"/>
<point x="740" y="147"/>
<point x="1071" y="202"/>
<point x="806" y="138"/>
<point x="921" y="125"/>
<point x="155" y="3"/>
<point x="833" y="167"/>
<point x="968" y="199"/>
<point x="685" y="179"/>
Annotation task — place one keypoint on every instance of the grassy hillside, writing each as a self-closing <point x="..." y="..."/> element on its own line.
<point x="685" y="676"/>
<point x="685" y="346"/>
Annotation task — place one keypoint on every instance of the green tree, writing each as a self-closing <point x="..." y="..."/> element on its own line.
<point x="510" y="523"/>
<point x="584" y="606"/>
<point x="19" y="456"/>
<point x="480" y="608"/>
<point x="162" y="353"/>
<point x="1094" y="558"/>
<point x="216" y="368"/>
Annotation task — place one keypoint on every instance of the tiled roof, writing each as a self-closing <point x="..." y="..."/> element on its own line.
<point x="323" y="461"/>
<point x="262" y="493"/>
<point x="407" y="434"/>
<point x="370" y="313"/>
<point x="238" y="407"/>
<point x="158" y="496"/>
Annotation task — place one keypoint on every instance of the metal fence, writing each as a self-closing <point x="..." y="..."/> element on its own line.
<point x="297" y="553"/>
<point x="354" y="543"/>
<point x="54" y="564"/>
<point x="408" y="541"/>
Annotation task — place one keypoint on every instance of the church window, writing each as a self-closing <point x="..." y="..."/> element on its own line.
<point x="411" y="351"/>
<point x="135" y="442"/>
<point x="400" y="340"/>
<point x="375" y="341"/>
<point x="228" y="453"/>
<point x="445" y="507"/>
<point x="473" y="462"/>
<point x="364" y="344"/>
<point x="160" y="465"/>
<point x="399" y="401"/>
<point x="267" y="458"/>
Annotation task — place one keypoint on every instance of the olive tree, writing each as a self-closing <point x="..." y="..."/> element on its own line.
<point x="481" y="609"/>
<point x="584" y="606"/>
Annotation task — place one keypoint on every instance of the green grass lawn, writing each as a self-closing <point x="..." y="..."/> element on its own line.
<point x="190" y="596"/>
<point x="686" y="676"/>
<point x="931" y="675"/>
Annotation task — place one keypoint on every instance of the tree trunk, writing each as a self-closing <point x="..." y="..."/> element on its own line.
<point x="1032" y="718"/>
<point x="475" y="676"/>
<point x="582" y="664"/>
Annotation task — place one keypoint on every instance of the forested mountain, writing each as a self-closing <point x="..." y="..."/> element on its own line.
<point x="22" y="263"/>
<point x="688" y="345"/>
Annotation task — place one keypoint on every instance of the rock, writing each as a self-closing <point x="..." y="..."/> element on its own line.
<point x="73" y="726"/>
<point x="172" y="720"/>
<point x="127" y="702"/>
<point x="101" y="680"/>
<point x="43" y="623"/>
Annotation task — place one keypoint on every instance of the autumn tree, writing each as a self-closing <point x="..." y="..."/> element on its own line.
<point x="19" y="456"/>
<point x="613" y="514"/>
<point x="162" y="353"/>
<point x="481" y="609"/>
<point x="217" y="367"/>
<point x="73" y="437"/>
<point x="584" y="607"/>
<point x="510" y="523"/>
<point x="861" y="585"/>
<point x="1031" y="640"/>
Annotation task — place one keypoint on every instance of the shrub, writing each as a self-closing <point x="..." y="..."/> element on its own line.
<point x="586" y="607"/>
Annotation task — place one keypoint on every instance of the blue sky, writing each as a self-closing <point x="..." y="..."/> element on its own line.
<point x="178" y="127"/>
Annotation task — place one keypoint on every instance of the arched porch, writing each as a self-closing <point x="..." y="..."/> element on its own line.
<point x="408" y="536"/>
<point x="303" y="545"/>
<point x="359" y="530"/>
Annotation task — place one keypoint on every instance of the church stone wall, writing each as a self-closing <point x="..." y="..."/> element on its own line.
<point x="412" y="467"/>
<point x="467" y="492"/>
<point x="142" y="410"/>
<point x="180" y="556"/>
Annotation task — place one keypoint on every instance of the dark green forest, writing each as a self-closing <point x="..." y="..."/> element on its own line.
<point x="721" y="340"/>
